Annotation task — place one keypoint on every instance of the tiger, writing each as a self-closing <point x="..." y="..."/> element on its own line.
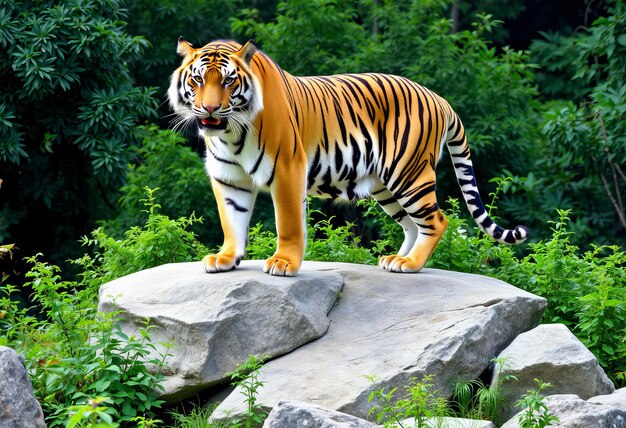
<point x="344" y="136"/>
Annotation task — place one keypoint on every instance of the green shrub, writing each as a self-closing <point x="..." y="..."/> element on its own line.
<point x="476" y="400"/>
<point x="161" y="240"/>
<point x="69" y="112"/>
<point x="73" y="353"/>
<point x="164" y="161"/>
<point x="325" y="242"/>
<point x="420" y="403"/>
<point x="535" y="412"/>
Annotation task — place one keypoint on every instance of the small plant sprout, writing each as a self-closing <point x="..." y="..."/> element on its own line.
<point x="246" y="377"/>
<point x="535" y="412"/>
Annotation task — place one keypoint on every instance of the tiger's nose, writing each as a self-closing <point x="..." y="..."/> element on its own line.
<point x="210" y="109"/>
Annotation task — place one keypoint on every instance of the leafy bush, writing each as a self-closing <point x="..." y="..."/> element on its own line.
<point x="164" y="161"/>
<point x="68" y="115"/>
<point x="325" y="242"/>
<point x="580" y="164"/>
<point x="476" y="400"/>
<point x="161" y="240"/>
<point x="420" y="403"/>
<point x="73" y="353"/>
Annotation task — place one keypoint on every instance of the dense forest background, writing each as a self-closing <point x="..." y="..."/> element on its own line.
<point x="540" y="86"/>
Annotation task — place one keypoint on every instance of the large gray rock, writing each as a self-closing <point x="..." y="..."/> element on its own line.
<point x="18" y="406"/>
<point x="552" y="354"/>
<point x="216" y="320"/>
<point x="295" y="414"/>
<point x="397" y="326"/>
<point x="574" y="412"/>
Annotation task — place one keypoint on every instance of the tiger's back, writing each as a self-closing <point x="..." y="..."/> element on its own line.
<point x="342" y="136"/>
<point x="360" y="129"/>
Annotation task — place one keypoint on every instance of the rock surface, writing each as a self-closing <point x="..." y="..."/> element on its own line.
<point x="616" y="399"/>
<point x="397" y="326"/>
<point x="574" y="412"/>
<point x="450" y="423"/>
<point x="551" y="353"/>
<point x="18" y="406"/>
<point x="296" y="414"/>
<point x="216" y="320"/>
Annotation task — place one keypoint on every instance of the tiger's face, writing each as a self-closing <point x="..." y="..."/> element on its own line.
<point x="215" y="88"/>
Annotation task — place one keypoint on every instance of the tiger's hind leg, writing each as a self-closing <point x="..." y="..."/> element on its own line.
<point x="420" y="203"/>
<point x="390" y="205"/>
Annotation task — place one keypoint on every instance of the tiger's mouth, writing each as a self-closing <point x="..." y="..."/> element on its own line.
<point x="212" y="122"/>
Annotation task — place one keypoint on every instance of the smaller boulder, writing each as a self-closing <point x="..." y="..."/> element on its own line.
<point x="573" y="412"/>
<point x="551" y="353"/>
<point x="18" y="406"/>
<point x="450" y="423"/>
<point x="298" y="414"/>
<point x="617" y="399"/>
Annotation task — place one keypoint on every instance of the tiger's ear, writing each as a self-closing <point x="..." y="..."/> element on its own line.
<point x="184" y="48"/>
<point x="247" y="51"/>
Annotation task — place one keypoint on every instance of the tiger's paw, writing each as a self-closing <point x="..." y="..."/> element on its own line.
<point x="220" y="262"/>
<point x="281" y="266"/>
<point x="396" y="263"/>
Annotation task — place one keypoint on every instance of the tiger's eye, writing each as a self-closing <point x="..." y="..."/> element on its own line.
<point x="197" y="79"/>
<point x="228" y="81"/>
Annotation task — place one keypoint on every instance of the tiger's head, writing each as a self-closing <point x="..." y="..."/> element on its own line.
<point x="215" y="88"/>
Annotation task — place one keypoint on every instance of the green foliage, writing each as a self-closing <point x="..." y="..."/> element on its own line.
<point x="536" y="414"/>
<point x="197" y="417"/>
<point x="161" y="22"/>
<point x="167" y="163"/>
<point x="92" y="414"/>
<point x="475" y="400"/>
<point x="262" y="243"/>
<point x="68" y="114"/>
<point x="161" y="240"/>
<point x="326" y="29"/>
<point x="334" y="243"/>
<point x="74" y="353"/>
<point x="246" y="377"/>
<point x="420" y="403"/>
<point x="71" y="57"/>
<point x="579" y="166"/>
<point x="325" y="242"/>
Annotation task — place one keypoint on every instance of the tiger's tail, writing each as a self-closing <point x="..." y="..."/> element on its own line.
<point x="460" y="154"/>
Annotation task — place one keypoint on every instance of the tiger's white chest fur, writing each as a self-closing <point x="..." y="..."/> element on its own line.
<point x="239" y="161"/>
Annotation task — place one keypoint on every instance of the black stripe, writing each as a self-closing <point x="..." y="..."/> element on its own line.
<point x="232" y="186"/>
<point x="235" y="205"/>
<point x="269" y="182"/>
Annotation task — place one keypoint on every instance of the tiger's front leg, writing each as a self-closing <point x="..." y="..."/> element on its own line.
<point x="235" y="202"/>
<point x="288" y="195"/>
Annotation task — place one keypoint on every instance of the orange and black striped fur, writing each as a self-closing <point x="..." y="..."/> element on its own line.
<point x="343" y="136"/>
